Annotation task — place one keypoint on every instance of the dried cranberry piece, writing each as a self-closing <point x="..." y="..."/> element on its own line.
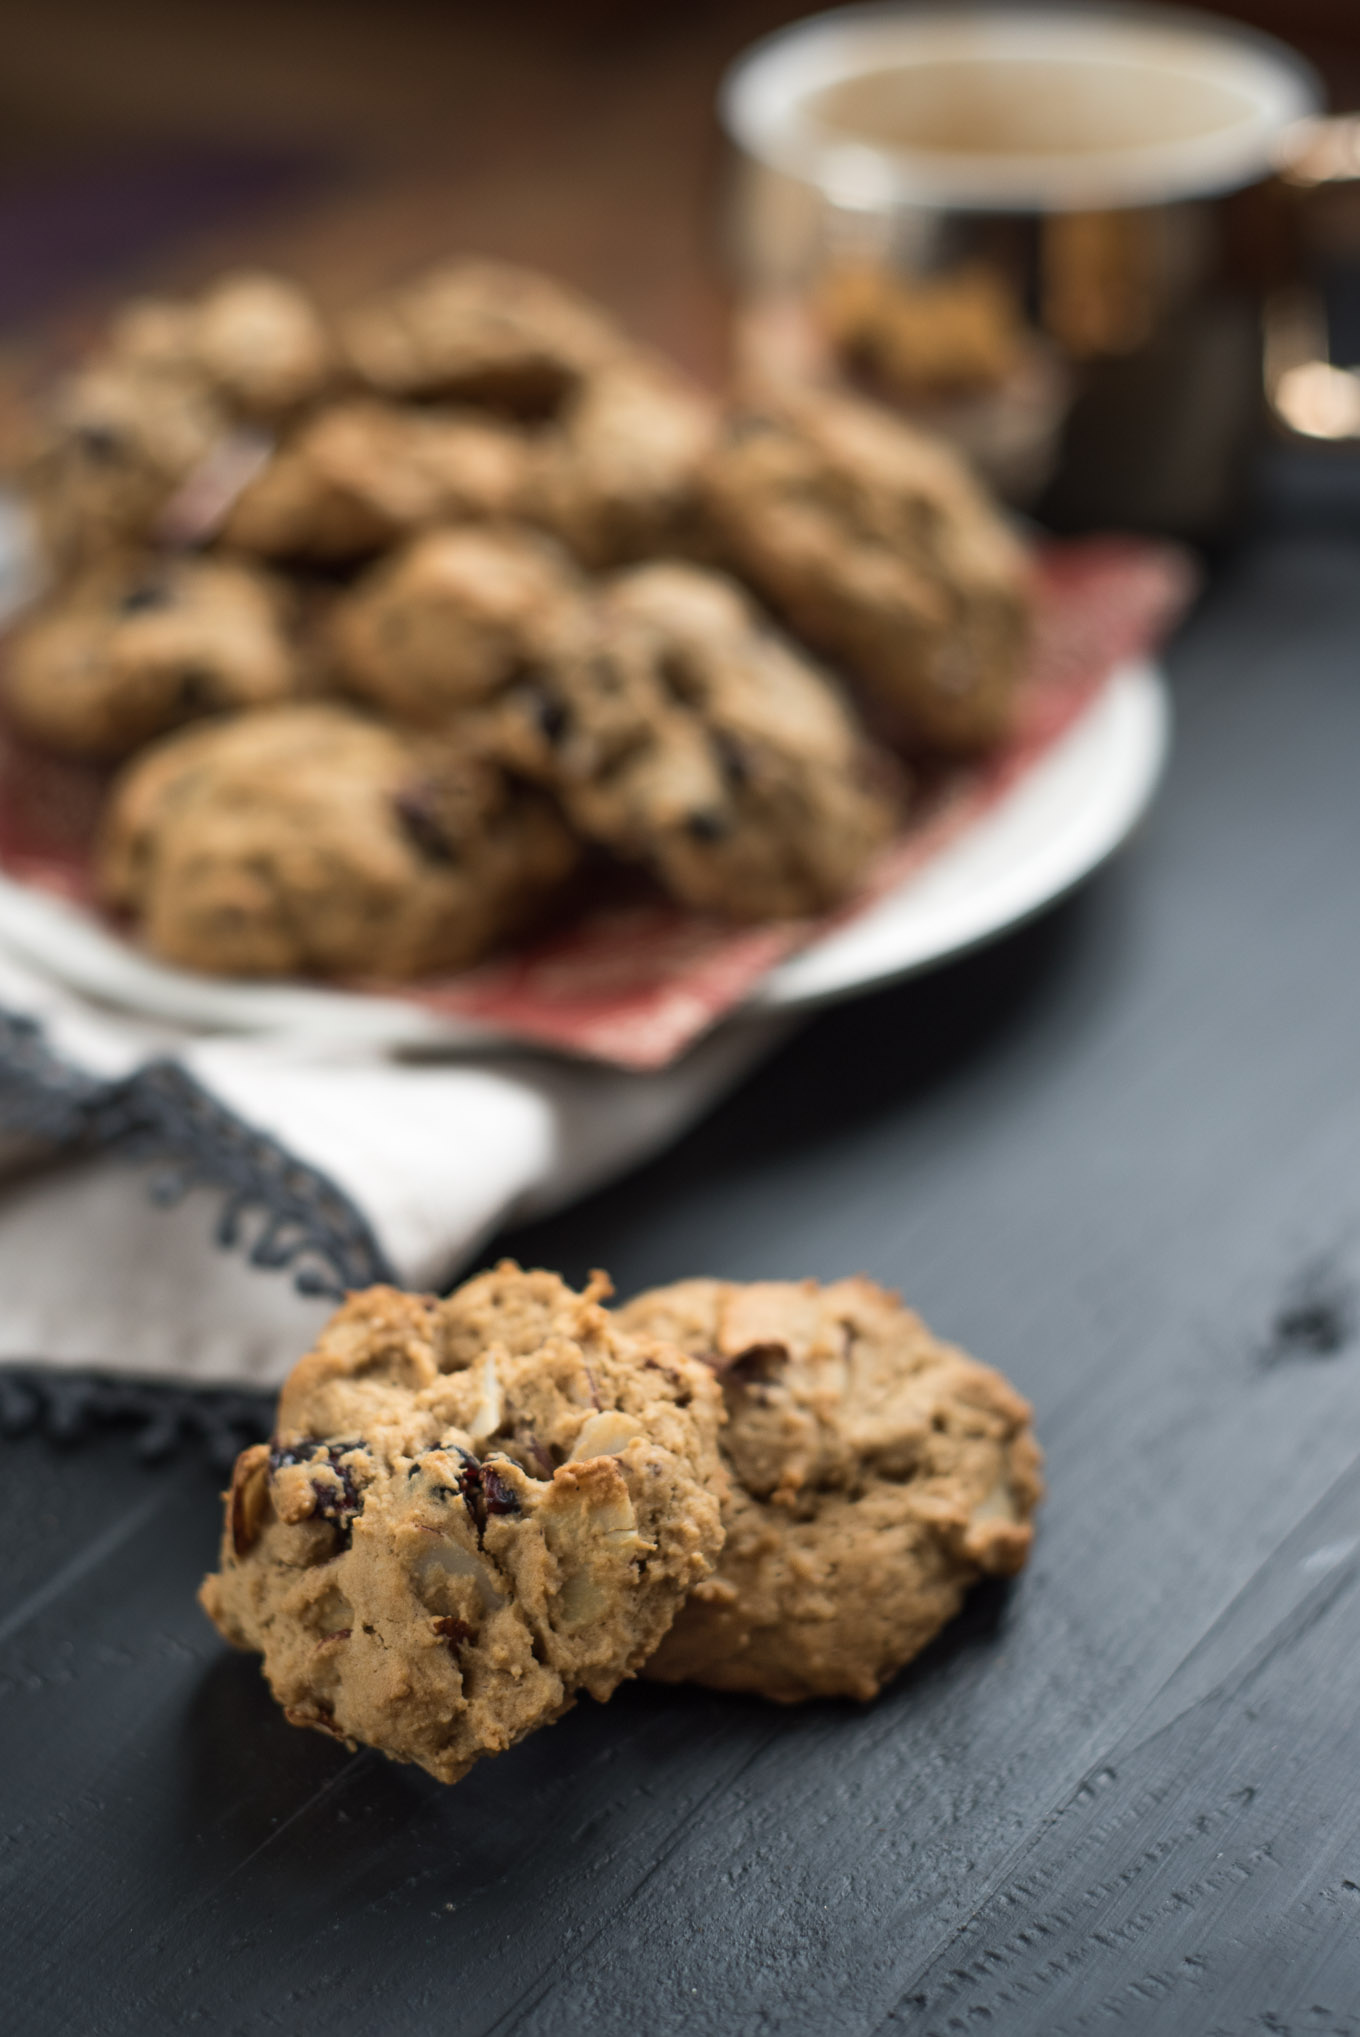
<point x="342" y="1507"/>
<point x="100" y="443"/>
<point x="480" y="1486"/>
<point x="707" y="826"/>
<point x="197" y="689"/>
<point x="454" y="1631"/>
<point x="147" y="594"/>
<point x="499" y="1498"/>
<point x="417" y="808"/>
<point x="732" y="759"/>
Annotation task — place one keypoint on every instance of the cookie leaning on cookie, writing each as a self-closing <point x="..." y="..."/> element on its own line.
<point x="472" y="1510"/>
<point x="881" y="550"/>
<point x="876" y="1474"/>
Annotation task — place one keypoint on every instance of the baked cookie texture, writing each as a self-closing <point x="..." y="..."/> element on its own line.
<point x="439" y="625"/>
<point x="682" y="731"/>
<point x="880" y="549"/>
<point x="115" y="442"/>
<point x="137" y="646"/>
<point x="310" y="839"/>
<point x="875" y="1474"/>
<point x="617" y="477"/>
<point x="472" y="1510"/>
<point x="254" y="339"/>
<point x="176" y="380"/>
<point x="480" y="332"/>
<point x="358" y="475"/>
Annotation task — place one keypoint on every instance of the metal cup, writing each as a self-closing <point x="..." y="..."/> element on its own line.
<point x="1048" y="233"/>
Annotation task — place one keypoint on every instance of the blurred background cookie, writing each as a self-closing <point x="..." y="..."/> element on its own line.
<point x="312" y="839"/>
<point x="880" y="549"/>
<point x="480" y="332"/>
<point x="442" y="623"/>
<point x="683" y="732"/>
<point x="137" y="646"/>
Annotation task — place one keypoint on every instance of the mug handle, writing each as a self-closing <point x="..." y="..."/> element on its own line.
<point x="1311" y="395"/>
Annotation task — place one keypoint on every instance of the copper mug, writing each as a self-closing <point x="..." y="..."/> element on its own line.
<point x="1056" y="234"/>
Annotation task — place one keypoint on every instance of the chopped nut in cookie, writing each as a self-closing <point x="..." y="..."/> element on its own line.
<point x="473" y="1510"/>
<point x="875" y="1475"/>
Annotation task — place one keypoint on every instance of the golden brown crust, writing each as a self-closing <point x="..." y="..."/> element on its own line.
<point x="311" y="839"/>
<point x="617" y="478"/>
<point x="456" y="1531"/>
<point x="444" y="622"/>
<point x="480" y="331"/>
<point x="875" y="1475"/>
<point x="681" y="730"/>
<point x="876" y="544"/>
<point x="137" y="646"/>
<point x="360" y="474"/>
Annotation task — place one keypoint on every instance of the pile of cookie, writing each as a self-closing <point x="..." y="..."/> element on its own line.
<point x="394" y="618"/>
<point x="475" y="1508"/>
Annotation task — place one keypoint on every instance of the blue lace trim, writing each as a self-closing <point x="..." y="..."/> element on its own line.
<point x="292" y="1214"/>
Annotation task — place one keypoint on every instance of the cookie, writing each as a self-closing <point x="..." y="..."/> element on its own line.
<point x="879" y="548"/>
<point x="480" y="332"/>
<point x="136" y="647"/>
<point x="310" y="839"/>
<point x="682" y="731"/>
<point x="361" y="474"/>
<point x="255" y="340"/>
<point x="115" y="443"/>
<point x="446" y="621"/>
<point x="472" y="1510"/>
<point x="925" y="336"/>
<point x="616" y="478"/>
<point x="875" y="1475"/>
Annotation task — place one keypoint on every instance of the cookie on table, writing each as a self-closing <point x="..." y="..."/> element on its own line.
<point x="682" y="731"/>
<point x="617" y="476"/>
<point x="448" y="619"/>
<point x="135" y="647"/>
<point x="360" y="474"/>
<point x="113" y="446"/>
<point x="881" y="550"/>
<point x="310" y="839"/>
<point x="472" y="1510"/>
<point x="875" y="1475"/>
<point x="480" y="332"/>
<point x="254" y="339"/>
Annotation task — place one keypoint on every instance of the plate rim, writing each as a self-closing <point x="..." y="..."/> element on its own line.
<point x="1134" y="707"/>
<point x="59" y="937"/>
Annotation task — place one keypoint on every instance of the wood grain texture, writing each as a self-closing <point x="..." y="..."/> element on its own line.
<point x="1116" y="1155"/>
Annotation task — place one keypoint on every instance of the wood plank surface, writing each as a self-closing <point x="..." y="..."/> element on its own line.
<point x="1117" y="1156"/>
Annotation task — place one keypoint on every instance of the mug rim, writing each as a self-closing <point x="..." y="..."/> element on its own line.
<point x="765" y="92"/>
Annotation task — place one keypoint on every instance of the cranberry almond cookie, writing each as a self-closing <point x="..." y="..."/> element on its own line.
<point x="682" y="731"/>
<point x="255" y="340"/>
<point x="472" y="1510"/>
<point x="875" y="1475"/>
<point x="441" y="624"/>
<point x="880" y="549"/>
<point x="175" y="382"/>
<point x="617" y="476"/>
<point x="360" y="474"/>
<point x="113" y="444"/>
<point x="134" y="647"/>
<point x="312" y="839"/>
<point x="480" y="332"/>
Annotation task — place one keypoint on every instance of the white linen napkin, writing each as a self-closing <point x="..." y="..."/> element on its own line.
<point x="407" y="1166"/>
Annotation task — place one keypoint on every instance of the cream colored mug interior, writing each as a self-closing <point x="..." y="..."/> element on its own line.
<point x="1009" y="110"/>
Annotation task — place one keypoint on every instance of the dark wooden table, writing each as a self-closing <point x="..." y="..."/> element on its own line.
<point x="1119" y="1156"/>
